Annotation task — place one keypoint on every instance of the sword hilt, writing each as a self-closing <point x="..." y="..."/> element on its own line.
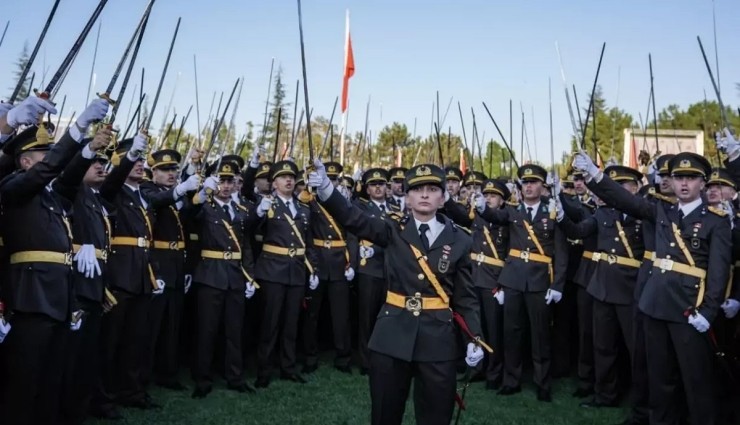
<point x="106" y="97"/>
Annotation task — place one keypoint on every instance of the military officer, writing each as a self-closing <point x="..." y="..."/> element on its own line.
<point x="533" y="278"/>
<point x="618" y="257"/>
<point x="287" y="262"/>
<point x="454" y="177"/>
<point x="398" y="197"/>
<point x="429" y="273"/>
<point x="165" y="198"/>
<point x="685" y="289"/>
<point x="37" y="236"/>
<point x="223" y="278"/>
<point x="371" y="276"/>
<point x="336" y="270"/>
<point x="132" y="277"/>
<point x="490" y="246"/>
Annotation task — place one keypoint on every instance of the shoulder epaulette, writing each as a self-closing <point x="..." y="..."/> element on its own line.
<point x="396" y="216"/>
<point x="719" y="211"/>
<point x="663" y="198"/>
<point x="512" y="204"/>
<point x="241" y="207"/>
<point x="303" y="204"/>
<point x="465" y="229"/>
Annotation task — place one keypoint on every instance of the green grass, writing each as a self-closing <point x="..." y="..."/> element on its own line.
<point x="331" y="398"/>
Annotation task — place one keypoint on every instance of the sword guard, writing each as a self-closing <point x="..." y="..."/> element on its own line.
<point x="106" y="96"/>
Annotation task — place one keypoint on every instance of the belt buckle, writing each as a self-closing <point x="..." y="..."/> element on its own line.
<point x="141" y="242"/>
<point x="480" y="257"/>
<point x="596" y="257"/>
<point x="173" y="245"/>
<point x="292" y="252"/>
<point x="666" y="265"/>
<point x="611" y="259"/>
<point x="327" y="244"/>
<point x="524" y="256"/>
<point x="414" y="304"/>
<point x="68" y="257"/>
<point x="228" y="255"/>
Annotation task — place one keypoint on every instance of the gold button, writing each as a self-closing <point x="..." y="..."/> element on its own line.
<point x="420" y="276"/>
<point x="416" y="313"/>
<point x="673" y="244"/>
<point x="616" y="239"/>
<point x="668" y="256"/>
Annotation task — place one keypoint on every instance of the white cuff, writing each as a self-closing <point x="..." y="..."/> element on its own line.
<point x="325" y="192"/>
<point x="76" y="133"/>
<point x="131" y="157"/>
<point x="88" y="153"/>
<point x="598" y="177"/>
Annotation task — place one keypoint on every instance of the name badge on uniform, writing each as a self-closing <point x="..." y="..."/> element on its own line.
<point x="444" y="261"/>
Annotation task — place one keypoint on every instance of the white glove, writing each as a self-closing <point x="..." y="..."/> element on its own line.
<point x="138" y="147"/>
<point x="698" y="322"/>
<point x="75" y="325"/>
<point x="727" y="144"/>
<point x="349" y="274"/>
<point x="188" y="185"/>
<point x="250" y="290"/>
<point x="556" y="187"/>
<point x="499" y="295"/>
<point x="480" y="203"/>
<point x="5" y="107"/>
<point x="560" y="214"/>
<point x="29" y="111"/>
<point x="320" y="180"/>
<point x="254" y="160"/>
<point x="474" y="355"/>
<point x="4" y="329"/>
<point x="210" y="183"/>
<point x="87" y="264"/>
<point x="730" y="307"/>
<point x="344" y="191"/>
<point x="357" y="175"/>
<point x="549" y="180"/>
<point x="313" y="282"/>
<point x="264" y="206"/>
<point x="160" y="287"/>
<point x="366" y="252"/>
<point x="584" y="163"/>
<point x="188" y="282"/>
<point x="553" y="296"/>
<point x="94" y="112"/>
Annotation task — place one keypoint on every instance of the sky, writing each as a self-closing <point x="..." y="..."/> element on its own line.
<point x="405" y="51"/>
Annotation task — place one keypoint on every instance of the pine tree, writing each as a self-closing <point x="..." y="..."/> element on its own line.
<point x="20" y="66"/>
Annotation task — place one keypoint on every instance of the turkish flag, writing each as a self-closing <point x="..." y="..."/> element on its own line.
<point x="349" y="66"/>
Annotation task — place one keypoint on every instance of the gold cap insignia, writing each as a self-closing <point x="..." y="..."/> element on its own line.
<point x="490" y="185"/>
<point x="685" y="163"/>
<point x="286" y="167"/>
<point x="715" y="175"/>
<point x="376" y="175"/>
<point x="166" y="158"/>
<point x="226" y="169"/>
<point x="613" y="173"/>
<point x="528" y="171"/>
<point x="423" y="171"/>
<point x="332" y="169"/>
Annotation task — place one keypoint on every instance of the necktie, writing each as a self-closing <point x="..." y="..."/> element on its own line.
<point x="227" y="211"/>
<point x="680" y="217"/>
<point x="529" y="213"/>
<point x="423" y="228"/>
<point x="289" y="204"/>
<point x="382" y="208"/>
<point x="137" y="197"/>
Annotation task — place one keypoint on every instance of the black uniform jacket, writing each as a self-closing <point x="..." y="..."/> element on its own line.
<point x="431" y="335"/>
<point x="168" y="230"/>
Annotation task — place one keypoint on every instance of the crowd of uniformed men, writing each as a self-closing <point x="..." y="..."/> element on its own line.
<point x="111" y="253"/>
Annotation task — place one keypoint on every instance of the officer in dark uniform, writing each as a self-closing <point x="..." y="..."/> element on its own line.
<point x="166" y="199"/>
<point x="37" y="236"/>
<point x="454" y="177"/>
<point x="132" y="277"/>
<point x="429" y="275"/>
<point x="371" y="277"/>
<point x="398" y="197"/>
<point x="91" y="230"/>
<point x="474" y="181"/>
<point x="683" y="294"/>
<point x="532" y="279"/>
<point x="618" y="256"/>
<point x="336" y="270"/>
<point x="223" y="278"/>
<point x="490" y="246"/>
<point x="288" y="260"/>
<point x="578" y="211"/>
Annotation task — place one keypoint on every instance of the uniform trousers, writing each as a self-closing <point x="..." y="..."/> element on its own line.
<point x="337" y="293"/>
<point x="282" y="305"/>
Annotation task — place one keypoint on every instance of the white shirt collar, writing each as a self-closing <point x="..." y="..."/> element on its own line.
<point x="435" y="228"/>
<point x="535" y="207"/>
<point x="378" y="204"/>
<point x="285" y="200"/>
<point x="134" y="188"/>
<point x="689" y="207"/>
